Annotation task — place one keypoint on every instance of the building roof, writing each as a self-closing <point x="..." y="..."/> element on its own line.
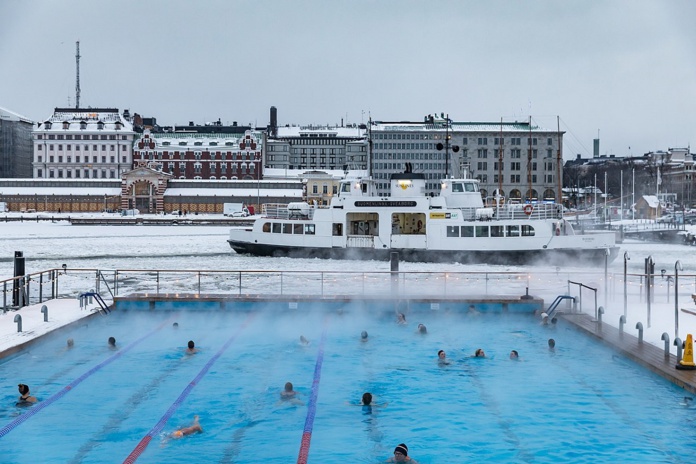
<point x="91" y="117"/>
<point x="12" y="116"/>
<point x="507" y="127"/>
<point x="651" y="200"/>
<point x="320" y="131"/>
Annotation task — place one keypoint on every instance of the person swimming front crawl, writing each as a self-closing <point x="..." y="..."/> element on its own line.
<point x="184" y="431"/>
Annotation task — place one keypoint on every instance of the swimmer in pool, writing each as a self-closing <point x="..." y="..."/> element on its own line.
<point x="514" y="355"/>
<point x="479" y="353"/>
<point x="191" y="429"/>
<point x="363" y="336"/>
<point x="71" y="343"/>
<point x="303" y="340"/>
<point x="442" y="358"/>
<point x="401" y="455"/>
<point x="401" y="319"/>
<point x="191" y="348"/>
<point x="552" y="344"/>
<point x="25" y="398"/>
<point x="422" y="329"/>
<point x="289" y="394"/>
<point x="112" y="343"/>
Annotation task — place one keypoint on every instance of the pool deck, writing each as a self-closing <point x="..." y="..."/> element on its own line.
<point x="645" y="354"/>
<point x="61" y="313"/>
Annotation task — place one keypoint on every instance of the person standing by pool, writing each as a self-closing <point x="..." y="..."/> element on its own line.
<point x="25" y="399"/>
<point x="191" y="429"/>
<point x="401" y="455"/>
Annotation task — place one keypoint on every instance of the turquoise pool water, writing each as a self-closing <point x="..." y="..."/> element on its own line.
<point x="580" y="403"/>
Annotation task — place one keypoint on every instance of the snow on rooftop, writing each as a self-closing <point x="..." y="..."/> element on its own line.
<point x="651" y="200"/>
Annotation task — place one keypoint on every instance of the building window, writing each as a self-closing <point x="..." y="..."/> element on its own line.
<point x="39" y="173"/>
<point x="51" y="173"/>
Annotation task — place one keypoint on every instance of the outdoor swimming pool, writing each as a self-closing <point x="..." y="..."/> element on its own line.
<point x="579" y="403"/>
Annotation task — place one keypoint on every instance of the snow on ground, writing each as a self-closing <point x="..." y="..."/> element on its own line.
<point x="49" y="245"/>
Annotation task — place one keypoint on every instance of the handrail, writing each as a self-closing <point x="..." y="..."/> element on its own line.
<point x="580" y="287"/>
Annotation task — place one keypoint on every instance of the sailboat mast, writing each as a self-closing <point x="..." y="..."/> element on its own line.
<point x="500" y="160"/>
<point x="529" y="162"/>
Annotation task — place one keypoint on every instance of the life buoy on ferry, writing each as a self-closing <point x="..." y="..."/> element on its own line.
<point x="558" y="231"/>
<point x="528" y="209"/>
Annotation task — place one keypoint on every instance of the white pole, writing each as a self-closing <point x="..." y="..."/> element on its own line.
<point x="594" y="206"/>
<point x="606" y="190"/>
<point x="633" y="186"/>
<point x="621" y="194"/>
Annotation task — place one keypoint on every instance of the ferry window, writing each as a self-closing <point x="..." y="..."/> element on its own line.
<point x="309" y="229"/>
<point x="287" y="228"/>
<point x="337" y="229"/>
<point x="457" y="188"/>
<point x="297" y="229"/>
<point x="467" y="231"/>
<point x="469" y="187"/>
<point x="527" y="231"/>
<point x="513" y="231"/>
<point x="276" y="227"/>
<point x="497" y="231"/>
<point x="453" y="231"/>
<point x="482" y="231"/>
<point x="345" y="187"/>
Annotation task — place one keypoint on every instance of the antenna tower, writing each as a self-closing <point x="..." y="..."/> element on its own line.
<point x="77" y="75"/>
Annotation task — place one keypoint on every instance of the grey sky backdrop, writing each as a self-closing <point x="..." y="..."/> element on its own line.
<point x="626" y="68"/>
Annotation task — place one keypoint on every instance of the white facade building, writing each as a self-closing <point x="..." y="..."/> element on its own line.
<point x="83" y="143"/>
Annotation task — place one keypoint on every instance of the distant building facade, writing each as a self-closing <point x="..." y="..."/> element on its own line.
<point x="200" y="155"/>
<point x="317" y="148"/>
<point x="518" y="159"/>
<point x="15" y="145"/>
<point x="87" y="143"/>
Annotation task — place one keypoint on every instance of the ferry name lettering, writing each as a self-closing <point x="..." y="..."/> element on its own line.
<point x="392" y="204"/>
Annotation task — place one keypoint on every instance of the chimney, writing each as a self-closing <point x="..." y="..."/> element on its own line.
<point x="274" y="121"/>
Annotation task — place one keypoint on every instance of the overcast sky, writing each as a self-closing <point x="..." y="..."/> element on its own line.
<point x="624" y="68"/>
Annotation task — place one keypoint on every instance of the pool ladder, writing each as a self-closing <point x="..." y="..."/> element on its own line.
<point x="86" y="297"/>
<point x="553" y="309"/>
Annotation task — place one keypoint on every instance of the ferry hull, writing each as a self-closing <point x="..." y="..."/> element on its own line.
<point x="505" y="257"/>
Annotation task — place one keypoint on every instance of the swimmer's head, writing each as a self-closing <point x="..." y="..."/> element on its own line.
<point x="367" y="399"/>
<point x="71" y="342"/>
<point x="23" y="389"/>
<point x="363" y="334"/>
<point x="178" y="434"/>
<point x="514" y="354"/>
<point x="191" y="345"/>
<point x="401" y="448"/>
<point x="303" y="340"/>
<point x="422" y="329"/>
<point x="112" y="341"/>
<point x="401" y="317"/>
<point x="552" y="343"/>
<point x="288" y="386"/>
<point x="441" y="354"/>
<point x="175" y="325"/>
<point x="480" y="353"/>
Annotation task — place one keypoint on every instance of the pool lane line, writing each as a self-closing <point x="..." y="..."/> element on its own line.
<point x="145" y="441"/>
<point x="41" y="405"/>
<point x="312" y="403"/>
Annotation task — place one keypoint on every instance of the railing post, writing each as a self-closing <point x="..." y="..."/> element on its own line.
<point x="199" y="282"/>
<point x="622" y="322"/>
<point x="240" y="283"/>
<point x="625" y="285"/>
<point x="679" y="344"/>
<point x="41" y="287"/>
<point x="665" y="337"/>
<point x="322" y="283"/>
<point x="639" y="326"/>
<point x="677" y="267"/>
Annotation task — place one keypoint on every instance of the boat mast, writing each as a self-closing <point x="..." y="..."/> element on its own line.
<point x="500" y="166"/>
<point x="369" y="147"/>
<point x="529" y="161"/>
<point x="447" y="136"/>
<point x="559" y="159"/>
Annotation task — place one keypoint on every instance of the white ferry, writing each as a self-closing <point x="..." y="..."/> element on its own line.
<point x="453" y="226"/>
